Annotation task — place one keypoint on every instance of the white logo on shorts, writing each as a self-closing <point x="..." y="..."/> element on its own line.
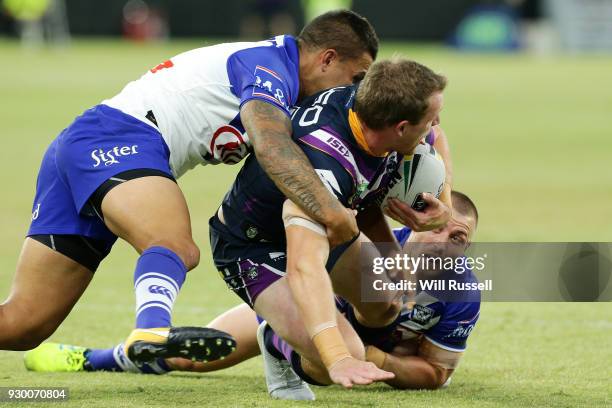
<point x="110" y="156"/>
<point x="36" y="212"/>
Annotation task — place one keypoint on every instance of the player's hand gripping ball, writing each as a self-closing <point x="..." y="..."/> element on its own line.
<point x="421" y="172"/>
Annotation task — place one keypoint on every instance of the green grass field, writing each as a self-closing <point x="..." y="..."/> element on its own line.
<point x="531" y="139"/>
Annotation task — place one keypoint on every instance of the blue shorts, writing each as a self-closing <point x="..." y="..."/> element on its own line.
<point x="98" y="145"/>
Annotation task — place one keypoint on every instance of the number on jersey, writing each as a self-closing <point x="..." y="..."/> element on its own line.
<point x="310" y="116"/>
<point x="165" y="64"/>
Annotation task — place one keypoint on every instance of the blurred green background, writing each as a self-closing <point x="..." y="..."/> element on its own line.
<point x="531" y="139"/>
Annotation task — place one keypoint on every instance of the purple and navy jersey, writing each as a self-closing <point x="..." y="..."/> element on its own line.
<point x="194" y="98"/>
<point x="253" y="207"/>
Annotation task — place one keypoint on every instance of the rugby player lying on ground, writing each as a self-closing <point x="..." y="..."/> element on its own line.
<point x="422" y="348"/>
<point x="352" y="136"/>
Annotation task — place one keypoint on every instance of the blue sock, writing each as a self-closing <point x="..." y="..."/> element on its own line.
<point x="114" y="359"/>
<point x="101" y="360"/>
<point x="159" y="275"/>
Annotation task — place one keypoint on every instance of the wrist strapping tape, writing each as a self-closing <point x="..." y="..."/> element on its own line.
<point x="376" y="356"/>
<point x="331" y="346"/>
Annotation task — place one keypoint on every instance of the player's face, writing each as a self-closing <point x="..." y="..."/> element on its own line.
<point x="345" y="71"/>
<point x="411" y="134"/>
<point x="451" y="240"/>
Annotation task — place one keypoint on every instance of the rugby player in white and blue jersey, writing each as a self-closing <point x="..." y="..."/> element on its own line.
<point x="112" y="173"/>
<point x="425" y="343"/>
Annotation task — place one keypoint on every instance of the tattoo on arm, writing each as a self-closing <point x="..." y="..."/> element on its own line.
<point x="269" y="130"/>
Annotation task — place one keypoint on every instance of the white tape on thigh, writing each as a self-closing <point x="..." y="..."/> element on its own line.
<point x="303" y="222"/>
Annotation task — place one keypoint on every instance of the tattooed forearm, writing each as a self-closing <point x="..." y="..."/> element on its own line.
<point x="270" y="133"/>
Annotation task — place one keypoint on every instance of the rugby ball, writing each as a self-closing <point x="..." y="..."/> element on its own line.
<point x="421" y="172"/>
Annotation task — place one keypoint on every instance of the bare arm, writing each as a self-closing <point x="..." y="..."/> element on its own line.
<point x="427" y="367"/>
<point x="307" y="252"/>
<point x="269" y="130"/>
<point x="414" y="372"/>
<point x="442" y="147"/>
<point x="373" y="223"/>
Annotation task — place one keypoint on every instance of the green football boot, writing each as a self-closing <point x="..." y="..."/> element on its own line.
<point x="55" y="357"/>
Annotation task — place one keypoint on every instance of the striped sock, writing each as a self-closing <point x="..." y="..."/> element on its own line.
<point x="159" y="275"/>
<point x="276" y="346"/>
<point x="280" y="349"/>
<point x="114" y="359"/>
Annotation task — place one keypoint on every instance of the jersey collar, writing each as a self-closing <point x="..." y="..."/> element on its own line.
<point x="355" y="125"/>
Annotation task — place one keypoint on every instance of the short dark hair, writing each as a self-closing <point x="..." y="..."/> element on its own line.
<point x="396" y="90"/>
<point x="464" y="204"/>
<point x="342" y="30"/>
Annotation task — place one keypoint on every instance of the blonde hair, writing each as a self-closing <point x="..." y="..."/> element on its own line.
<point x="395" y="90"/>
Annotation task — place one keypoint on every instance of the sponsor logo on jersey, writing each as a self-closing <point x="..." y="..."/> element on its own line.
<point x="269" y="85"/>
<point x="160" y="290"/>
<point x="111" y="156"/>
<point x="338" y="146"/>
<point x="36" y="212"/>
<point x="251" y="232"/>
<point x="228" y="145"/>
<point x="461" y="331"/>
<point x="252" y="273"/>
<point x="328" y="143"/>
<point x="421" y="314"/>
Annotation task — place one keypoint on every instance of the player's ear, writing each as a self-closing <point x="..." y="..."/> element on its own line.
<point x="401" y="127"/>
<point x="436" y="121"/>
<point x="327" y="57"/>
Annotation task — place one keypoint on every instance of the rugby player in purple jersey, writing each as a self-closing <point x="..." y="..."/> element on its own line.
<point x="423" y="347"/>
